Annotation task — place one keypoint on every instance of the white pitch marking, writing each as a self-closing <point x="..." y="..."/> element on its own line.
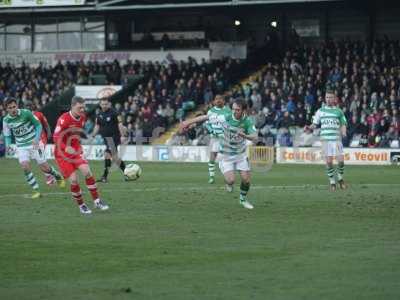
<point x="191" y="188"/>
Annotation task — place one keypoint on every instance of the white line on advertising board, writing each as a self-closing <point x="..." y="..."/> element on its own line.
<point x="302" y="155"/>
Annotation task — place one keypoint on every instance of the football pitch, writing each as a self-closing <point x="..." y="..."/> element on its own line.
<point x="170" y="235"/>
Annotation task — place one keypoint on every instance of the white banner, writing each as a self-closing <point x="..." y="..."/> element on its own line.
<point x="303" y="155"/>
<point x="172" y="35"/>
<point x="93" y="93"/>
<point x="353" y="156"/>
<point x="158" y="153"/>
<point x="235" y="50"/>
<point x="140" y="153"/>
<point x="39" y="3"/>
<point x="51" y="59"/>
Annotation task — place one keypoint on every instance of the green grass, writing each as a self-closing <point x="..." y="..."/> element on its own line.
<point x="170" y="235"/>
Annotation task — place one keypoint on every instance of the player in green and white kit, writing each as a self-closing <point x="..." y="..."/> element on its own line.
<point x="237" y="128"/>
<point x="26" y="129"/>
<point x="333" y="128"/>
<point x="216" y="133"/>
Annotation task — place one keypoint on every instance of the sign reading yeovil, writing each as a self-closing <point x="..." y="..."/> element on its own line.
<point x="39" y="3"/>
<point x="353" y="156"/>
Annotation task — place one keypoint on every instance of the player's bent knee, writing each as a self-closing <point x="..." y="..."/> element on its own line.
<point x="44" y="167"/>
<point x="85" y="170"/>
<point x="246" y="180"/>
<point x="245" y="176"/>
<point x="230" y="182"/>
<point x="229" y="179"/>
<point x="87" y="173"/>
<point x="25" y="166"/>
<point x="329" y="162"/>
<point x="73" y="179"/>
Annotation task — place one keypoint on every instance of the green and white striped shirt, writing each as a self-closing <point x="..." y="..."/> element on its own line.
<point x="331" y="120"/>
<point x="215" y="129"/>
<point x="22" y="126"/>
<point x="232" y="144"/>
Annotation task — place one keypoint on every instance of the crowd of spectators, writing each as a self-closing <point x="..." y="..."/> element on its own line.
<point x="172" y="90"/>
<point x="42" y="84"/>
<point x="282" y="99"/>
<point x="285" y="96"/>
<point x="167" y="92"/>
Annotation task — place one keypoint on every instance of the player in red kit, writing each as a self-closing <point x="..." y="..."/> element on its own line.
<point x="69" y="154"/>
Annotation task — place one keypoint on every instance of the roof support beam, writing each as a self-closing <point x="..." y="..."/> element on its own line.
<point x="108" y="5"/>
<point x="45" y="9"/>
<point x="110" y="2"/>
<point x="200" y="4"/>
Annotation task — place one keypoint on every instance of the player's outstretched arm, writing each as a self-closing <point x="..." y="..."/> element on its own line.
<point x="316" y="121"/>
<point x="185" y="124"/>
<point x="343" y="123"/>
<point x="251" y="137"/>
<point x="7" y="136"/>
<point x="38" y="133"/>
<point x="7" y="143"/>
<point x="310" y="127"/>
<point x="343" y="130"/>
<point x="58" y="136"/>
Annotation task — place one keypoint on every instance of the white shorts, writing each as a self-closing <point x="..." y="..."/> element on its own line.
<point x="234" y="163"/>
<point x="214" y="144"/>
<point x="25" y="154"/>
<point x="332" y="148"/>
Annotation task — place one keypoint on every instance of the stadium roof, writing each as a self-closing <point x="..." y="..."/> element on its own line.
<point x="109" y="5"/>
<point x="157" y="4"/>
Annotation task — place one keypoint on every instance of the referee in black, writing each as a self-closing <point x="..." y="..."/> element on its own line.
<point x="109" y="125"/>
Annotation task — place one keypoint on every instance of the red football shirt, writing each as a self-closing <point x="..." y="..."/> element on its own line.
<point x="42" y="119"/>
<point x="68" y="133"/>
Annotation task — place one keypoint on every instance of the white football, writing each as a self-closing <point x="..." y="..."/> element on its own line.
<point x="133" y="171"/>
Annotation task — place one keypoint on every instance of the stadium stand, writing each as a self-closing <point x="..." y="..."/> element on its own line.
<point x="284" y="97"/>
<point x="170" y="90"/>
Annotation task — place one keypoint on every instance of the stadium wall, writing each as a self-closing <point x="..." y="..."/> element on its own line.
<point x="284" y="155"/>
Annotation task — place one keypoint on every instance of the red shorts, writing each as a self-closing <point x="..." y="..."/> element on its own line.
<point x="68" y="166"/>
